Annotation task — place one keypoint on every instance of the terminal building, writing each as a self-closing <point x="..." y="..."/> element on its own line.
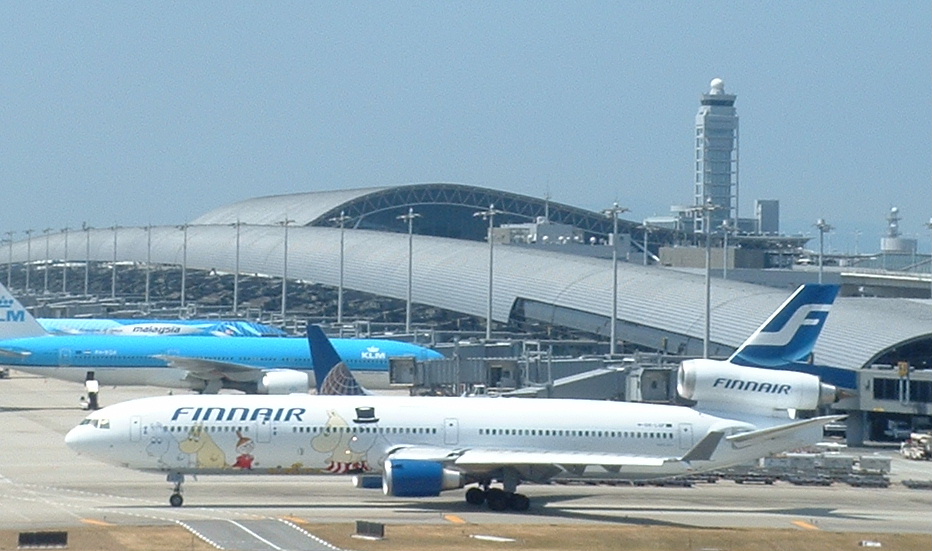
<point x="563" y="285"/>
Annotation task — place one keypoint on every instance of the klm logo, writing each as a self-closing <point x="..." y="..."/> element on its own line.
<point x="16" y="315"/>
<point x="7" y="303"/>
<point x="373" y="353"/>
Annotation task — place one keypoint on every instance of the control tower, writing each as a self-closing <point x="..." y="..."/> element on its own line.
<point x="894" y="243"/>
<point x="717" y="155"/>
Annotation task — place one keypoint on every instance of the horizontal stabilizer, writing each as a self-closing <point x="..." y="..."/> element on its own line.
<point x="751" y="438"/>
<point x="704" y="449"/>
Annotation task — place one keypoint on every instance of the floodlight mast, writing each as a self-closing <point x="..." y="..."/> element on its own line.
<point x="613" y="212"/>
<point x="489" y="214"/>
<point x="409" y="218"/>
<point x="706" y="210"/>
<point x="340" y="221"/>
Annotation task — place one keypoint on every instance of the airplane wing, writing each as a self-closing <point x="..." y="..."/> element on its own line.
<point x="210" y="369"/>
<point x="478" y="460"/>
<point x="14" y="353"/>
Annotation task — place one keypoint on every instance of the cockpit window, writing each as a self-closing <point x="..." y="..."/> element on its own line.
<point x="97" y="423"/>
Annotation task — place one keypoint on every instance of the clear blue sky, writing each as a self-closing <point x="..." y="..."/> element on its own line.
<point x="132" y="112"/>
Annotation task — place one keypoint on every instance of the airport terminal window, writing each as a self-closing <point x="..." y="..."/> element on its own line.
<point x="886" y="389"/>
<point x="920" y="391"/>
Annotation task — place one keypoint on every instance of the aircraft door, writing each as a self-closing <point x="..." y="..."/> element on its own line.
<point x="451" y="431"/>
<point x="686" y="436"/>
<point x="64" y="357"/>
<point x="135" y="428"/>
<point x="264" y="432"/>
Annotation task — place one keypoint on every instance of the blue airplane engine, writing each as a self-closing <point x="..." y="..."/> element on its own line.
<point x="418" y="478"/>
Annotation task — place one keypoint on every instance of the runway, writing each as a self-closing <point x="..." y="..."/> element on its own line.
<point x="43" y="484"/>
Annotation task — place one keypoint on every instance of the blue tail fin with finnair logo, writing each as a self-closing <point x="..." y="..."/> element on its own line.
<point x="789" y="334"/>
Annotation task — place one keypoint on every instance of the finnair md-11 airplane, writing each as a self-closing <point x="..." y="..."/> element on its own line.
<point x="206" y="364"/>
<point x="418" y="447"/>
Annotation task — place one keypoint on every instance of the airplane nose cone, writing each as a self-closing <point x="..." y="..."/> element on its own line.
<point x="73" y="438"/>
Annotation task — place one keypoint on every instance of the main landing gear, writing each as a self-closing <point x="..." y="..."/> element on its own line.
<point x="497" y="499"/>
<point x="177" y="479"/>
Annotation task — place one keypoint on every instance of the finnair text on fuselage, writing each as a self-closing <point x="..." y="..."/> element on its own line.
<point x="238" y="414"/>
<point x="752" y="386"/>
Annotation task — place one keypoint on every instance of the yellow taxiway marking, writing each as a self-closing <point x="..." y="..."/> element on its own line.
<point x="296" y="520"/>
<point x="96" y="522"/>
<point x="806" y="525"/>
<point x="454" y="519"/>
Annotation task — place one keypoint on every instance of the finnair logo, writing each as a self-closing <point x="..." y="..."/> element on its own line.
<point x="752" y="386"/>
<point x="785" y="334"/>
<point x="373" y="353"/>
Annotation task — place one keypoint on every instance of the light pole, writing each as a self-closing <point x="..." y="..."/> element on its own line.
<point x="409" y="218"/>
<point x="87" y="256"/>
<point x="148" y="266"/>
<point x="613" y="212"/>
<point x="340" y="221"/>
<point x="489" y="214"/>
<point x="824" y="228"/>
<point x="28" y="256"/>
<point x="285" y="223"/>
<point x="929" y="226"/>
<point x="48" y="262"/>
<point x="114" y="267"/>
<point x="64" y="266"/>
<point x="9" y="265"/>
<point x="184" y="261"/>
<point x="726" y="229"/>
<point x="647" y="229"/>
<point x="706" y="211"/>
<point x="237" y="225"/>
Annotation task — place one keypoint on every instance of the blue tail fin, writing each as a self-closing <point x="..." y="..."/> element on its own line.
<point x="789" y="334"/>
<point x="332" y="376"/>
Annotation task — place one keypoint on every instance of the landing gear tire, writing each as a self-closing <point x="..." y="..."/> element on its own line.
<point x="496" y="499"/>
<point x="518" y="502"/>
<point x="177" y="479"/>
<point x="475" y="496"/>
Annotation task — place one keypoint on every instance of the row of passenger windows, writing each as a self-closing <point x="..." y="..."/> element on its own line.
<point x="365" y="430"/>
<point x="308" y="430"/>
<point x="577" y="433"/>
<point x="210" y="428"/>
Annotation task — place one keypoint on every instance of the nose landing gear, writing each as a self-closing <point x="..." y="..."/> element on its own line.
<point x="177" y="479"/>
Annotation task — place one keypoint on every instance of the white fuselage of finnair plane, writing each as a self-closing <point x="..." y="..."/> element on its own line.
<point x="301" y="434"/>
<point x="127" y="360"/>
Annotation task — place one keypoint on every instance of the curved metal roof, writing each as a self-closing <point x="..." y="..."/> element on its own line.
<point x="654" y="302"/>
<point x="451" y="207"/>
<point x="303" y="208"/>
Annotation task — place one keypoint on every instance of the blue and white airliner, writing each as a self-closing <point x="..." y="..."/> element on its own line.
<point x="206" y="364"/>
<point x="159" y="328"/>
<point x="415" y="447"/>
